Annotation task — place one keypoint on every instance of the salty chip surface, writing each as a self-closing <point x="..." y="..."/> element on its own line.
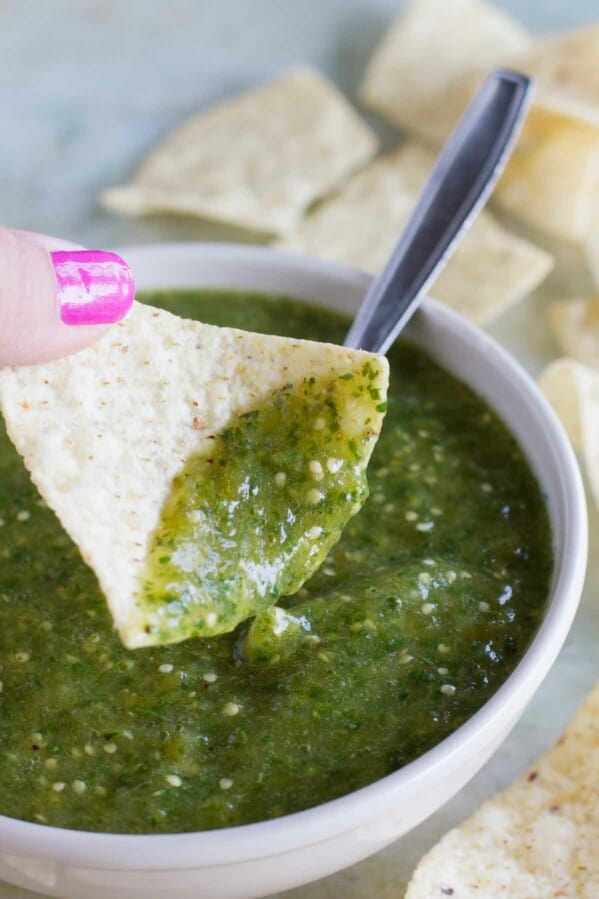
<point x="537" y="839"/>
<point x="106" y="432"/>
<point x="257" y="160"/>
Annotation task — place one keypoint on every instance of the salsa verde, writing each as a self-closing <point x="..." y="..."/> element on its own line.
<point x="411" y="623"/>
<point x="251" y="517"/>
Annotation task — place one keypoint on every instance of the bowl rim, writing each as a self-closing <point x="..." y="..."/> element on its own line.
<point x="301" y="829"/>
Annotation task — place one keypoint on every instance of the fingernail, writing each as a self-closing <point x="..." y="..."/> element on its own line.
<point x="94" y="288"/>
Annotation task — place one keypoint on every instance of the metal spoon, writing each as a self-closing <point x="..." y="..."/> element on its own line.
<point x="458" y="188"/>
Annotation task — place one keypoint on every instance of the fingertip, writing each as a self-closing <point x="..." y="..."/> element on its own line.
<point x="56" y="298"/>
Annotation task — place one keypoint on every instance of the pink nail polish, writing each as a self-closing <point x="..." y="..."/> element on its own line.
<point x="94" y="288"/>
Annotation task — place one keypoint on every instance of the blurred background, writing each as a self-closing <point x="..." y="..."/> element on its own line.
<point x="88" y="86"/>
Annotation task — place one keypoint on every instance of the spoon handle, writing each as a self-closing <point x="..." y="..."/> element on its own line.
<point x="457" y="189"/>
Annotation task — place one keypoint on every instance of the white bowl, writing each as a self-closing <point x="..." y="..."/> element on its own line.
<point x="258" y="859"/>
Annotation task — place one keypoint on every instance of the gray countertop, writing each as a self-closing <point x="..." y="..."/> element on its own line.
<point x="87" y="87"/>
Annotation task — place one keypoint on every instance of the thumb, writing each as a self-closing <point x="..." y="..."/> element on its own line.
<point x="56" y="297"/>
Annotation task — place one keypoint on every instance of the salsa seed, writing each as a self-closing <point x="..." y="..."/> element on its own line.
<point x="424" y="577"/>
<point x="448" y="689"/>
<point x="411" y="515"/>
<point x="166" y="669"/>
<point x="231" y="708"/>
<point x="333" y="465"/>
<point x="210" y="677"/>
<point x="89" y="749"/>
<point x="486" y="488"/>
<point x="316" y="470"/>
<point x="23" y="515"/>
<point x="428" y="562"/>
<point x="465" y="575"/>
<point x="211" y="619"/>
<point x="174" y="780"/>
<point x="330" y="572"/>
<point x="443" y="647"/>
<point x="280" y="478"/>
<point x="314" y="532"/>
<point x="225" y="783"/>
<point x="41" y="818"/>
<point x="451" y="576"/>
<point x="319" y="424"/>
<point x="47" y="626"/>
<point x="58" y="786"/>
<point x="99" y="791"/>
<point x="389" y="507"/>
<point x="22" y="657"/>
<point x="484" y="606"/>
<point x="425" y="526"/>
<point x="110" y="748"/>
<point x="436" y="511"/>
<point x="313" y="496"/>
<point x="428" y="608"/>
<point x="51" y="764"/>
<point x="79" y="787"/>
<point x="443" y="671"/>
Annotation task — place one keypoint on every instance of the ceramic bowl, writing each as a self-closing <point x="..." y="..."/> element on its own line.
<point x="258" y="859"/>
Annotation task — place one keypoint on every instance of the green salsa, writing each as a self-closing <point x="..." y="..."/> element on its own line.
<point x="253" y="517"/>
<point x="415" y="618"/>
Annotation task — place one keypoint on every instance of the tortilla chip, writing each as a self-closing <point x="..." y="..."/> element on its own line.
<point x="420" y="76"/>
<point x="491" y="269"/>
<point x="574" y="324"/>
<point x="573" y="391"/>
<point x="566" y="66"/>
<point x="256" y="161"/>
<point x="552" y="179"/>
<point x="104" y="432"/>
<point x="538" y="839"/>
<point x="436" y="55"/>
